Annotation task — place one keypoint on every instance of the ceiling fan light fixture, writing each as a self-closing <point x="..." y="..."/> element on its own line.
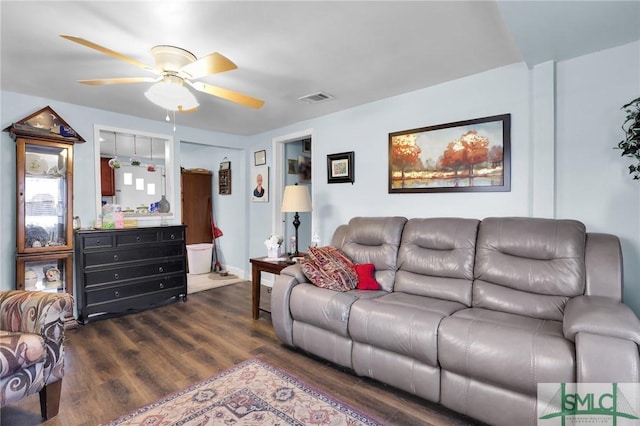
<point x="171" y="96"/>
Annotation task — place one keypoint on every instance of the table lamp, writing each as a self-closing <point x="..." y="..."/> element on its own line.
<point x="296" y="199"/>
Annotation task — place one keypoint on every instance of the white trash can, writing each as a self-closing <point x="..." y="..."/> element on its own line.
<point x="199" y="258"/>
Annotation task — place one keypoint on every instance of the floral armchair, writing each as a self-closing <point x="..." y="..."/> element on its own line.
<point x="31" y="346"/>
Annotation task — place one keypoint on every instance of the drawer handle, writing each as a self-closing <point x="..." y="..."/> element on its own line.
<point x="138" y="239"/>
<point x="161" y="285"/>
<point x="97" y="242"/>
<point x="116" y="276"/>
<point x="115" y="257"/>
<point x="160" y="269"/>
<point x="116" y="294"/>
<point x="173" y="237"/>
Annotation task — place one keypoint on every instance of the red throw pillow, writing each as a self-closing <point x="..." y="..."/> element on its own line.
<point x="366" y="277"/>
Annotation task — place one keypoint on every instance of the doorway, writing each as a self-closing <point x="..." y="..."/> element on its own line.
<point x="289" y="152"/>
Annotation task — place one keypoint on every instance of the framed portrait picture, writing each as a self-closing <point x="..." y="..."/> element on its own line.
<point x="340" y="167"/>
<point x="260" y="158"/>
<point x="464" y="156"/>
<point x="260" y="184"/>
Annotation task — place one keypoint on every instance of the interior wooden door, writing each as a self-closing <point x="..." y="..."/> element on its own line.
<point x="196" y="192"/>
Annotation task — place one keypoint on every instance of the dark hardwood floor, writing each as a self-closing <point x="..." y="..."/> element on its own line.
<point x="116" y="365"/>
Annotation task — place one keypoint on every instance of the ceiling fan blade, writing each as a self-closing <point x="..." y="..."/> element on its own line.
<point x="125" y="80"/>
<point x="210" y="64"/>
<point x="227" y="94"/>
<point x="194" y="109"/>
<point x="110" y="52"/>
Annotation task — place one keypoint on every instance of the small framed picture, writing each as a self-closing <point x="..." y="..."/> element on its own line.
<point x="260" y="158"/>
<point x="260" y="184"/>
<point x="340" y="167"/>
<point x="306" y="146"/>
<point x="225" y="165"/>
<point x="292" y="167"/>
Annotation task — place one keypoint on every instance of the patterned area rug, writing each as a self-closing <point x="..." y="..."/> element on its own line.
<point x="251" y="393"/>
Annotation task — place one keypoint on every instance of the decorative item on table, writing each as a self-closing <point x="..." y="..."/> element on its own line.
<point x="142" y="209"/>
<point x="51" y="276"/>
<point x="76" y="223"/>
<point x="274" y="246"/>
<point x="112" y="214"/>
<point x="163" y="205"/>
<point x="315" y="240"/>
<point x="292" y="244"/>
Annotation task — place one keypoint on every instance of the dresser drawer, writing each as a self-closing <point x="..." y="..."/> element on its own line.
<point x="138" y="237"/>
<point x="97" y="241"/>
<point x="172" y="234"/>
<point x="110" y="275"/>
<point x="135" y="288"/>
<point x="99" y="258"/>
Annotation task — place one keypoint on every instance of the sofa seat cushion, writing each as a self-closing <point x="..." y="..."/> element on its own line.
<point x="403" y="323"/>
<point x="19" y="351"/>
<point x="508" y="350"/>
<point x="325" y="308"/>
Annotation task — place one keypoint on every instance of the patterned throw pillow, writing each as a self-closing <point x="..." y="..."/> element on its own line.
<point x="328" y="267"/>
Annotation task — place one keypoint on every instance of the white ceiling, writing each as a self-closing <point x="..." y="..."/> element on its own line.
<point x="358" y="52"/>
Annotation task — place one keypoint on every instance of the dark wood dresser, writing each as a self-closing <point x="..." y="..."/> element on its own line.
<point x="119" y="271"/>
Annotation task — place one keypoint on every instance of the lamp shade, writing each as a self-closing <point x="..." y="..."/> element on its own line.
<point x="296" y="199"/>
<point x="171" y="96"/>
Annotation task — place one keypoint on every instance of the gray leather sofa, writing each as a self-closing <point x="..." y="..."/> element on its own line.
<point x="472" y="314"/>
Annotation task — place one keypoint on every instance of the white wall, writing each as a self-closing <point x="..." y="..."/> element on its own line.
<point x="593" y="183"/>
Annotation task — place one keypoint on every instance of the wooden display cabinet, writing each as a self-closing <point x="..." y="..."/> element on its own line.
<point x="44" y="201"/>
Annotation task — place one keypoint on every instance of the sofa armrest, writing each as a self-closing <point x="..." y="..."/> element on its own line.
<point x="281" y="318"/>
<point x="43" y="314"/>
<point x="601" y="316"/>
<point x="33" y="311"/>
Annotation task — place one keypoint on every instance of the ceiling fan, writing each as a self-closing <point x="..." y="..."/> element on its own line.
<point x="174" y="67"/>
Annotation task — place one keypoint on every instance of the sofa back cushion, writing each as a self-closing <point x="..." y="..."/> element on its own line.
<point x="436" y="258"/>
<point x="529" y="266"/>
<point x="375" y="240"/>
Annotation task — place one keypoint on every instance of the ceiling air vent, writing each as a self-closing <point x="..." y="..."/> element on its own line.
<point x="314" y="98"/>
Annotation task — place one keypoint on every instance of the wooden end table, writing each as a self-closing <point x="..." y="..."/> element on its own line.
<point x="259" y="265"/>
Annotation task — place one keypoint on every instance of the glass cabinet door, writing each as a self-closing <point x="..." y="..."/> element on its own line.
<point x="46" y="272"/>
<point x="44" y="196"/>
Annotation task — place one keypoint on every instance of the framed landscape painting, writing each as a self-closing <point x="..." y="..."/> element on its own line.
<point x="464" y="156"/>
